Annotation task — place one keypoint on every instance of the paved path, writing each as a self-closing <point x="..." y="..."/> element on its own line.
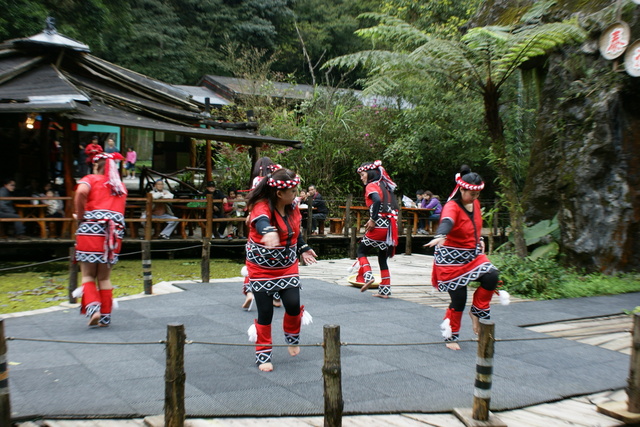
<point x="531" y="374"/>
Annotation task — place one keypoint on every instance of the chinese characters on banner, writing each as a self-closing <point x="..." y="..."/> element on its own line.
<point x="614" y="40"/>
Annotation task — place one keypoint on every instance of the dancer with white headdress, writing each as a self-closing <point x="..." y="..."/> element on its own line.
<point x="459" y="257"/>
<point x="381" y="230"/>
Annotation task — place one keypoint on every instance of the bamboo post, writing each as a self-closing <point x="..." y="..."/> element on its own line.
<point x="73" y="274"/>
<point x="147" y="277"/>
<point x="5" y="402"/>
<point x="204" y="263"/>
<point x="332" y="374"/>
<point x="408" y="239"/>
<point x="399" y="224"/>
<point x="175" y="377"/>
<point x="353" y="242"/>
<point x="479" y="415"/>
<point x="347" y="215"/>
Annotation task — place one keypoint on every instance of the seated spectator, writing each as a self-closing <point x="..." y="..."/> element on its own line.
<point x="418" y="201"/>
<point x="218" y="208"/>
<point x="320" y="210"/>
<point x="130" y="164"/>
<point x="162" y="210"/>
<point x="239" y="210"/>
<point x="55" y="209"/>
<point x="429" y="201"/>
<point x="301" y="200"/>
<point x="7" y="210"/>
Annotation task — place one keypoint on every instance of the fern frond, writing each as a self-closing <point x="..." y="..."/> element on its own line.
<point x="394" y="31"/>
<point x="536" y="41"/>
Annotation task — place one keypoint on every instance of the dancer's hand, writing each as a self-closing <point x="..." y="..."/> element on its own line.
<point x="309" y="257"/>
<point x="437" y="241"/>
<point x="370" y="225"/>
<point x="271" y="239"/>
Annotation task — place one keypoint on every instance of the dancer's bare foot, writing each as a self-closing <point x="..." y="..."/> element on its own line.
<point x="247" y="301"/>
<point x="277" y="303"/>
<point x="294" y="350"/>
<point x="475" y="322"/>
<point x="453" y="346"/>
<point x="266" y="367"/>
<point x="381" y="296"/>
<point x="95" y="318"/>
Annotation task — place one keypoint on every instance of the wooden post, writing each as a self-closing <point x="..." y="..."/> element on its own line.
<point x="174" y="377"/>
<point x="629" y="412"/>
<point x="73" y="274"/>
<point x="308" y="230"/>
<point x="332" y="374"/>
<point x="353" y="242"/>
<point x="484" y="371"/>
<point x="208" y="229"/>
<point x="146" y="267"/>
<point x="5" y="402"/>
<point x="148" y="225"/>
<point x="347" y="215"/>
<point x="409" y="238"/>
<point x="633" y="390"/>
<point x="400" y="230"/>
<point x="204" y="263"/>
<point x="479" y="415"/>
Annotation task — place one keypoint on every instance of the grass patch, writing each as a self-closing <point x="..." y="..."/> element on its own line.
<point x="46" y="285"/>
<point x="545" y="278"/>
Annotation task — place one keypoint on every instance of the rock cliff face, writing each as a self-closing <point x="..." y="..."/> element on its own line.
<point x="585" y="161"/>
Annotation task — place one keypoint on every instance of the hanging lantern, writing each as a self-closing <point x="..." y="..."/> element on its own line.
<point x="614" y="40"/>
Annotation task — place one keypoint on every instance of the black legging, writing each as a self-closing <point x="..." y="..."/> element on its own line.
<point x="264" y="302"/>
<point x="382" y="255"/>
<point x="489" y="281"/>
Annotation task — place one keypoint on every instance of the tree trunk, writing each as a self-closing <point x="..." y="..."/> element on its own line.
<point x="506" y="182"/>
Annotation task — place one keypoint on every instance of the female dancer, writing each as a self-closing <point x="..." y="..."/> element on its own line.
<point x="459" y="257"/>
<point x="263" y="167"/>
<point x="381" y="230"/>
<point x="272" y="260"/>
<point x="99" y="205"/>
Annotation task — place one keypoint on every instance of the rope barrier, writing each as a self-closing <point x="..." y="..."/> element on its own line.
<point x="343" y="344"/>
<point x="84" y="342"/>
<point x="35" y="264"/>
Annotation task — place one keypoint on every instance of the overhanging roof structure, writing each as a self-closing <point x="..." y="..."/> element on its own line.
<point x="51" y="73"/>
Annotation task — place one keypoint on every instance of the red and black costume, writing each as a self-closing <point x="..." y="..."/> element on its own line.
<point x="99" y="234"/>
<point x="275" y="270"/>
<point x="383" y="210"/>
<point x="460" y="260"/>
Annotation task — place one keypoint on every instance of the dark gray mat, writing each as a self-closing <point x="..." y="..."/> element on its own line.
<point x="110" y="380"/>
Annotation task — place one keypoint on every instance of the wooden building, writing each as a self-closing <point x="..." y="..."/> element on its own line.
<point x="50" y="85"/>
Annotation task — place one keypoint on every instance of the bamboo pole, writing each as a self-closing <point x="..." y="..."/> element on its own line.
<point x="5" y="402"/>
<point x="332" y="374"/>
<point x="147" y="277"/>
<point x="308" y="230"/>
<point x="175" y="377"/>
<point x="73" y="274"/>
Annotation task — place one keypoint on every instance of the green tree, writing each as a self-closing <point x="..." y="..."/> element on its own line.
<point x="482" y="62"/>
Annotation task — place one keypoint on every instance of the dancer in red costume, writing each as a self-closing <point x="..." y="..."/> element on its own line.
<point x="381" y="230"/>
<point x="272" y="260"/>
<point x="459" y="257"/>
<point x="99" y="206"/>
<point x="262" y="168"/>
